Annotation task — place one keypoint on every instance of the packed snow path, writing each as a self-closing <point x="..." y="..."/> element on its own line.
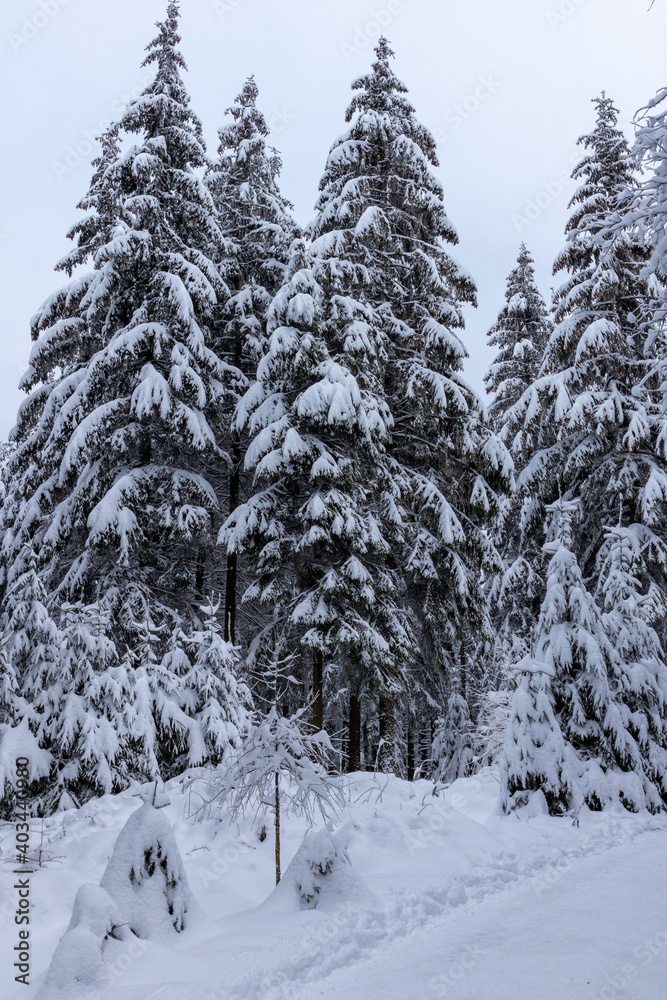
<point x="452" y="901"/>
<point x="599" y="930"/>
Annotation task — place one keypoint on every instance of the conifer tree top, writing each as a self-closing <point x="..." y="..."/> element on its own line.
<point x="162" y="49"/>
<point x="381" y="92"/>
<point x="604" y="172"/>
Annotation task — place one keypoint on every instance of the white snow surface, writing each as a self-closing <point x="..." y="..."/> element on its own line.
<point x="427" y="897"/>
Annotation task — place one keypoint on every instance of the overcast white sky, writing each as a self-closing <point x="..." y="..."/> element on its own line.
<point x="522" y="72"/>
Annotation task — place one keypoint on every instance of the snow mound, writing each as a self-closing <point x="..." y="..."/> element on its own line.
<point x="145" y="875"/>
<point x="320" y="876"/>
<point x="95" y="909"/>
<point x="77" y="962"/>
<point x="76" y="965"/>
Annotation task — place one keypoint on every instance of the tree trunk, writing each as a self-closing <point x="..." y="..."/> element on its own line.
<point x="199" y="575"/>
<point x="411" y="751"/>
<point x="318" y="706"/>
<point x="425" y="743"/>
<point x="387" y="752"/>
<point x="277" y="827"/>
<point x="230" y="582"/>
<point x="354" y="734"/>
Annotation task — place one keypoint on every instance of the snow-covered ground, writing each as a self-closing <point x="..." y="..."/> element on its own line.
<point x="448" y="899"/>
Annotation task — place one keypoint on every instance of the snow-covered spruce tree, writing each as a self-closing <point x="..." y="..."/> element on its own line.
<point x="632" y="605"/>
<point x="601" y="751"/>
<point x="145" y="875"/>
<point x="380" y="236"/>
<point x="645" y="209"/>
<point x="319" y="530"/>
<point x="189" y="705"/>
<point x="452" y="753"/>
<point x="211" y="690"/>
<point x="67" y="332"/>
<point x="257" y="221"/>
<point x="591" y="424"/>
<point x="519" y="336"/>
<point x="86" y="711"/>
<point x="114" y="452"/>
<point x="534" y="760"/>
<point x="32" y="652"/>
<point x="128" y="504"/>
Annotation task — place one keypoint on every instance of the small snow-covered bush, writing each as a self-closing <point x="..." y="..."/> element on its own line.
<point x="145" y="875"/>
<point x="320" y="875"/>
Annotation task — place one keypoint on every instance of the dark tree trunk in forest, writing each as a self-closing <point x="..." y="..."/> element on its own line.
<point x="425" y="746"/>
<point x="276" y="807"/>
<point x="354" y="734"/>
<point x="318" y="705"/>
<point x="410" y="752"/>
<point x="230" y="582"/>
<point x="387" y="752"/>
<point x="199" y="575"/>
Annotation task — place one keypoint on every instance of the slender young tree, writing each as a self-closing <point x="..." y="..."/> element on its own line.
<point x="256" y="220"/>
<point x="281" y="762"/>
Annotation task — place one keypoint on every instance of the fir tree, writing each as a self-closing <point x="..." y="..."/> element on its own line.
<point x="320" y="526"/>
<point x="452" y="753"/>
<point x="256" y="220"/>
<point x="211" y="691"/>
<point x="591" y="421"/>
<point x="380" y="242"/>
<point x="87" y="710"/>
<point x="519" y="335"/>
<point x="644" y="209"/>
<point x="639" y="686"/>
<point x="111" y="481"/>
<point x="128" y="503"/>
<point x="585" y="725"/>
<point x="67" y="330"/>
<point x="535" y="757"/>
